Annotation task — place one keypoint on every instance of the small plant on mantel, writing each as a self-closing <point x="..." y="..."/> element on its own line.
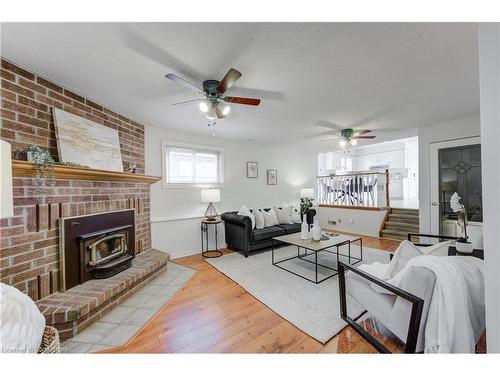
<point x="71" y="164"/>
<point x="44" y="166"/>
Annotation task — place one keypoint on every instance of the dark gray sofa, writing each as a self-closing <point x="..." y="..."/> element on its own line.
<point x="241" y="236"/>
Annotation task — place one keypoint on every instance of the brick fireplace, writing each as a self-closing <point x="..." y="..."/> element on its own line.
<point x="29" y="247"/>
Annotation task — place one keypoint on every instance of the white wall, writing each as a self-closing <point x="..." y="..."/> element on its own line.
<point x="391" y="153"/>
<point x="350" y="220"/>
<point x="176" y="212"/>
<point x="455" y="129"/>
<point x="489" y="72"/>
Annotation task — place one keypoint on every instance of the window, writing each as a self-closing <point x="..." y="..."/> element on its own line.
<point x="192" y="165"/>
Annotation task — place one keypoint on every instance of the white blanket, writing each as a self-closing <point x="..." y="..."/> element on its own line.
<point x="21" y="323"/>
<point x="456" y="317"/>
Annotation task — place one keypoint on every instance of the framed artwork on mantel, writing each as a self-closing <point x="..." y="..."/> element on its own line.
<point x="252" y="169"/>
<point x="86" y="142"/>
<point x="272" y="177"/>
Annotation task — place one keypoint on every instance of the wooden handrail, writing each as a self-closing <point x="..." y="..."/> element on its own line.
<point x="351" y="174"/>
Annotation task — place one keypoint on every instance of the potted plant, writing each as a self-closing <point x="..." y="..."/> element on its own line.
<point x="462" y="244"/>
<point x="44" y="166"/>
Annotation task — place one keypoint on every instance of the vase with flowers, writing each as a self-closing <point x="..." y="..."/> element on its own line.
<point x="462" y="244"/>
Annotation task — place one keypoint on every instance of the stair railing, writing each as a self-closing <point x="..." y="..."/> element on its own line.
<point x="359" y="189"/>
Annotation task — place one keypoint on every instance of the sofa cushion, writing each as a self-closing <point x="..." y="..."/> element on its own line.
<point x="291" y="228"/>
<point x="270" y="218"/>
<point x="267" y="233"/>
<point x="244" y="211"/>
<point x="284" y="215"/>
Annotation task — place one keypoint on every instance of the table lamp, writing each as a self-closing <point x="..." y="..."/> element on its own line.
<point x="307" y="193"/>
<point x="210" y="196"/>
<point x="6" y="202"/>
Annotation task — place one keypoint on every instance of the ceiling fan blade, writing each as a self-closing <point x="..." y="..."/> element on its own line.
<point x="364" y="137"/>
<point x="360" y="132"/>
<point x="330" y="139"/>
<point x="240" y="100"/>
<point x="187" y="101"/>
<point x="229" y="79"/>
<point x="183" y="82"/>
<point x="327" y="124"/>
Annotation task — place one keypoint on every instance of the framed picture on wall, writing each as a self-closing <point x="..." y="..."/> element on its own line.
<point x="272" y="177"/>
<point x="252" y="169"/>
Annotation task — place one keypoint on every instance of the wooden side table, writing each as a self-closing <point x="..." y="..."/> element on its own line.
<point x="205" y="224"/>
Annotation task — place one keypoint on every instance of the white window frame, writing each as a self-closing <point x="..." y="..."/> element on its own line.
<point x="197" y="147"/>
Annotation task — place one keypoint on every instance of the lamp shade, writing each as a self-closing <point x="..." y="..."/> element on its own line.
<point x="307" y="193"/>
<point x="6" y="200"/>
<point x="210" y="196"/>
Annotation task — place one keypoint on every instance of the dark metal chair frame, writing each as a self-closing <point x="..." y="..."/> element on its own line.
<point x="415" y="316"/>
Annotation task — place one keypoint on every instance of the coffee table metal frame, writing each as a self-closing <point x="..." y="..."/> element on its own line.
<point x="315" y="262"/>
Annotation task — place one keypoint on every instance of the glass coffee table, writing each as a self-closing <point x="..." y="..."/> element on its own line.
<point x="331" y="249"/>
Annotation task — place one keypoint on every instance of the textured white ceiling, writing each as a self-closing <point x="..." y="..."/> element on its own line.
<point x="365" y="75"/>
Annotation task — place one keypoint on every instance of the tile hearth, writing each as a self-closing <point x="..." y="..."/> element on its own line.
<point x="122" y="322"/>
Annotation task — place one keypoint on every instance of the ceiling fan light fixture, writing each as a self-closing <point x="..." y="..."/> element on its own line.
<point x="205" y="106"/>
<point x="353" y="142"/>
<point x="224" y="108"/>
<point x="342" y="143"/>
<point x="211" y="115"/>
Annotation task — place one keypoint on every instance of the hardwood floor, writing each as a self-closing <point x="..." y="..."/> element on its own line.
<point x="213" y="314"/>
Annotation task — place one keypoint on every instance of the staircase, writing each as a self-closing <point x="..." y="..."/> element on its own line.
<point x="400" y="222"/>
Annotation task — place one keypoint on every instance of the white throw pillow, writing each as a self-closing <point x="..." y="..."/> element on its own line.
<point x="259" y="219"/>
<point x="270" y="218"/>
<point x="440" y="249"/>
<point x="296" y="216"/>
<point x="22" y="324"/>
<point x="244" y="211"/>
<point x="284" y="215"/>
<point x="403" y="254"/>
<point x="295" y="212"/>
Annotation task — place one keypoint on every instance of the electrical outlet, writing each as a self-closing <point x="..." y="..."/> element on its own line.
<point x="351" y="221"/>
<point x="332" y="222"/>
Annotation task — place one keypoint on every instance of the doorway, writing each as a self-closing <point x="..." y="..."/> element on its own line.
<point x="456" y="167"/>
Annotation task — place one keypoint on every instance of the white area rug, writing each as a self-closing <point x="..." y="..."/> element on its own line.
<point x="313" y="308"/>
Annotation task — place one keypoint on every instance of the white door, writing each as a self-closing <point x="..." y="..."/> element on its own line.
<point x="434" y="177"/>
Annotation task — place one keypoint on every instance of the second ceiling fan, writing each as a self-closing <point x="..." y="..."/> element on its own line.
<point x="214" y="104"/>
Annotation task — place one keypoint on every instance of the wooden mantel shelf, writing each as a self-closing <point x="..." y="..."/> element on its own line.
<point x="26" y="169"/>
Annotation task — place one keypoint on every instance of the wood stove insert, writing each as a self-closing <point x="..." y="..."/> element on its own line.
<point x="95" y="246"/>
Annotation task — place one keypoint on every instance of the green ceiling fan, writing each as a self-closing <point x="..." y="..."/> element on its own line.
<point x="214" y="104"/>
<point x="347" y="135"/>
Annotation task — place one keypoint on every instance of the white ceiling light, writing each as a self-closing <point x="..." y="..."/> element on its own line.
<point x="342" y="143"/>
<point x="354" y="142"/>
<point x="205" y="106"/>
<point x="211" y="115"/>
<point x="224" y="108"/>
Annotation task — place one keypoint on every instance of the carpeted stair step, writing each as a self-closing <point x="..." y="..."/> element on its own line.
<point x="399" y="226"/>
<point x="394" y="234"/>
<point x="410" y="219"/>
<point x="405" y="211"/>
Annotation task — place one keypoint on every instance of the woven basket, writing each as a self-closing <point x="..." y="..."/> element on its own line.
<point x="50" y="341"/>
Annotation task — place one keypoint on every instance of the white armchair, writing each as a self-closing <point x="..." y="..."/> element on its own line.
<point x="404" y="309"/>
<point x="403" y="312"/>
